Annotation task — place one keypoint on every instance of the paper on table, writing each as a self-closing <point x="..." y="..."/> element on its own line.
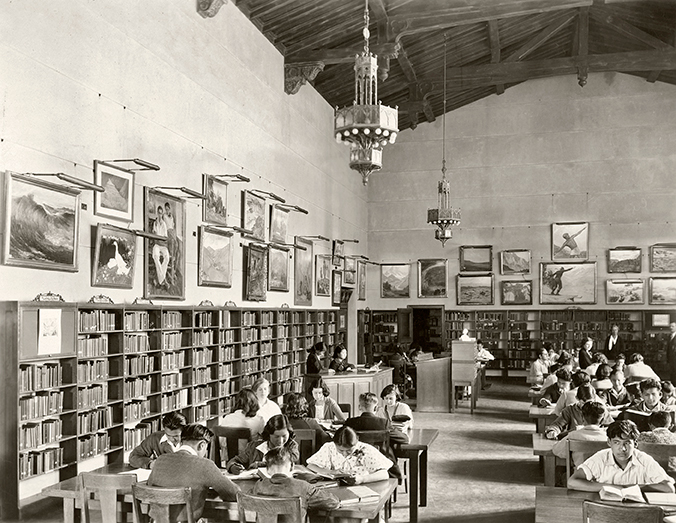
<point x="660" y="498"/>
<point x="141" y="474"/>
<point x="246" y="474"/>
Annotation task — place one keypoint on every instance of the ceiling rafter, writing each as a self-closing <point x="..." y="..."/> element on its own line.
<point x="494" y="42"/>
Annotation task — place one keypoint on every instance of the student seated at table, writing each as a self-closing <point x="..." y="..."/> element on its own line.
<point x="296" y="409"/>
<point x="278" y="432"/>
<point x="660" y="423"/>
<point x="281" y="484"/>
<point x="617" y="396"/>
<point x="189" y="467"/>
<point x="346" y="454"/>
<point x="637" y="370"/>
<point x="620" y="362"/>
<point x="322" y="405"/>
<point x="167" y="440"/>
<point x="393" y="406"/>
<point x="571" y="417"/>
<point x="622" y="464"/>
<point x="267" y="407"/>
<point x="566" y="362"/>
<point x="592" y="413"/>
<point x="246" y="413"/>
<point x="339" y="362"/>
<point x="597" y="359"/>
<point x="651" y="393"/>
<point x="314" y="364"/>
<point x="580" y="377"/>
<point x="668" y="393"/>
<point x="539" y="369"/>
<point x="552" y="393"/>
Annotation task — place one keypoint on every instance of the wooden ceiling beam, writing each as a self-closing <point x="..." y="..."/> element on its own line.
<point x="531" y="45"/>
<point x="494" y="42"/>
<point x="343" y="55"/>
<point x="582" y="41"/>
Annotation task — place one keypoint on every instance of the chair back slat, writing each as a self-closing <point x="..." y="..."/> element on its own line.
<point x="599" y="512"/>
<point x="268" y="509"/>
<point x="378" y="438"/>
<point x="106" y="488"/>
<point x="664" y="454"/>
<point x="307" y="442"/>
<point x="226" y="443"/>
<point x="586" y="448"/>
<point x="346" y="408"/>
<point x="159" y="500"/>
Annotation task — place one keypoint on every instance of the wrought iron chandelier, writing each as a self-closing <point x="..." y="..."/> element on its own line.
<point x="366" y="126"/>
<point x="444" y="216"/>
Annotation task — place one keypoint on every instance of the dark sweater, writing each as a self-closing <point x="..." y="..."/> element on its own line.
<point x="149" y="450"/>
<point x="251" y="455"/>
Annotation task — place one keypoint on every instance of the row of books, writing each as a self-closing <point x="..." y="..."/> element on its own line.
<point x="136" y="321"/>
<point x="226" y="388"/>
<point x="202" y="413"/>
<point x="39" y="462"/>
<point x="136" y="409"/>
<point x="142" y="364"/>
<point x="285" y="373"/>
<point x="40" y="376"/>
<point x="205" y="319"/>
<point x="96" y="321"/>
<point x="224" y="370"/>
<point x="134" y="437"/>
<point x="249" y="335"/>
<point x="90" y="446"/>
<point x="175" y="400"/>
<point x="43" y="404"/>
<point x="173" y="360"/>
<point x="226" y="353"/>
<point x="171" y="320"/>
<point x="136" y="342"/>
<point x="92" y="370"/>
<point x="519" y="335"/>
<point x="202" y="394"/>
<point x="247" y="366"/>
<point x="553" y="326"/>
<point x="171" y="381"/>
<point x="33" y="435"/>
<point x="266" y="348"/>
<point x="171" y="340"/>
<point x="249" y="351"/>
<point x="226" y="336"/>
<point x="92" y="396"/>
<point x="200" y="376"/>
<point x="247" y="381"/>
<point x="202" y="338"/>
<point x="92" y="346"/>
<point x="136" y="387"/>
<point x="94" y="420"/>
<point x="201" y="357"/>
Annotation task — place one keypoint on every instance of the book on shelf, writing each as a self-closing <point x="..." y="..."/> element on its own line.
<point x="611" y="493"/>
<point x="356" y="494"/>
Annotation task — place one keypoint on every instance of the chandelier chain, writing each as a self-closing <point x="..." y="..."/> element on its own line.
<point x="443" y="120"/>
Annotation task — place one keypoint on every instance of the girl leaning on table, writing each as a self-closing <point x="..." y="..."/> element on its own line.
<point x="395" y="410"/>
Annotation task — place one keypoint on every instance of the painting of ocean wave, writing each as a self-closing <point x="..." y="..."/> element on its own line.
<point x="42" y="225"/>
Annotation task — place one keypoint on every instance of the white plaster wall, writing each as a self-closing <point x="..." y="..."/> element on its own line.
<point x="545" y="151"/>
<point x="104" y="79"/>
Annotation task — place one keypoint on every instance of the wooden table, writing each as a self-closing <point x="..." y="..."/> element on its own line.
<point x="68" y="491"/>
<point x="535" y="395"/>
<point x="543" y="416"/>
<point x="416" y="453"/>
<point x="543" y="447"/>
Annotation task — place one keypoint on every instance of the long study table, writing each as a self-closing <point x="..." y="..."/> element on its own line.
<point x="416" y="453"/>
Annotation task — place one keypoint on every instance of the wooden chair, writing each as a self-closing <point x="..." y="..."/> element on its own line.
<point x="598" y="512"/>
<point x="664" y="454"/>
<point x="586" y="448"/>
<point x="307" y="442"/>
<point x="107" y="488"/>
<point x="378" y="438"/>
<point x="267" y="509"/>
<point x="226" y="443"/>
<point x="346" y="408"/>
<point x="159" y="501"/>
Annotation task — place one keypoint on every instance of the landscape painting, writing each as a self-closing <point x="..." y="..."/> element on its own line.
<point x="164" y="264"/>
<point x="663" y="291"/>
<point x="279" y="224"/>
<point x="622" y="292"/>
<point x="475" y="290"/>
<point x="518" y="292"/>
<point x="114" y="257"/>
<point x="570" y="241"/>
<point x="41" y="224"/>
<point x="278" y="269"/>
<point x="516" y="261"/>
<point x="256" y="284"/>
<point x="476" y="258"/>
<point x="567" y="283"/>
<point x="302" y="272"/>
<point x="338" y="252"/>
<point x="117" y="199"/>
<point x="253" y="215"/>
<point x="624" y="259"/>
<point x="432" y="278"/>
<point x="215" y="258"/>
<point x="394" y="280"/>
<point x="349" y="278"/>
<point x="663" y="258"/>
<point x="323" y="275"/>
<point x="215" y="206"/>
<point x="361" y="280"/>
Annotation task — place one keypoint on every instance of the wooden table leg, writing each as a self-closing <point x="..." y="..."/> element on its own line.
<point x="550" y="471"/>
<point x="68" y="510"/>
<point x="423" y="478"/>
<point x="414" y="485"/>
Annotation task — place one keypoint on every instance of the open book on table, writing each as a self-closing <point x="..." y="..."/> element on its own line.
<point x="632" y="493"/>
<point x="356" y="494"/>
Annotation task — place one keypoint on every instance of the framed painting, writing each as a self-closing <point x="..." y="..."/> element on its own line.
<point x="164" y="260"/>
<point x="117" y="199"/>
<point x="256" y="278"/>
<point x="476" y="258"/>
<point x="350" y="263"/>
<point x="215" y="206"/>
<point x="624" y="259"/>
<point x="570" y="241"/>
<point x="361" y="280"/>
<point x="253" y="215"/>
<point x="337" y="286"/>
<point x="515" y="261"/>
<point x="278" y="269"/>
<point x="214" y="263"/>
<point x="663" y="258"/>
<point x="338" y="252"/>
<point x="114" y="257"/>
<point x="663" y="291"/>
<point x="279" y="224"/>
<point x="623" y="292"/>
<point x="302" y="272"/>
<point x="42" y="222"/>
<point x="660" y="320"/>
<point x="349" y="278"/>
<point x="394" y="280"/>
<point x="567" y="283"/>
<point x="323" y="275"/>
<point x="475" y="290"/>
<point x="432" y="278"/>
<point x="517" y="292"/>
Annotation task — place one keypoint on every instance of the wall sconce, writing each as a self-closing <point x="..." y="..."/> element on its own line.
<point x="292" y="208"/>
<point x="237" y="177"/>
<point x="149" y="235"/>
<point x="142" y="164"/>
<point x="240" y="230"/>
<point x="269" y="194"/>
<point x="185" y="190"/>
<point x="348" y="241"/>
<point x="317" y="237"/>
<point x="82" y="184"/>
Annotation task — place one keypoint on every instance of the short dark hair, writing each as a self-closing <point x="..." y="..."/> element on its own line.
<point x="275" y="423"/>
<point x="564" y="374"/>
<point x="616" y="370"/>
<point x="660" y="418"/>
<point x="320" y="346"/>
<point x="603" y="371"/>
<point x="345" y="437"/>
<point x="319" y="384"/>
<point x="633" y="389"/>
<point x="620" y="356"/>
<point x="295" y="406"/>
<point x="247" y="402"/>
<point x="278" y="457"/>
<point x="174" y="421"/>
<point x="565" y="359"/>
<point x="650" y="383"/>
<point x="196" y="432"/>
<point x="337" y="350"/>
<point x="667" y="387"/>
<point x="593" y="412"/>
<point x="580" y="377"/>
<point x="599" y="357"/>
<point x="367" y="399"/>
<point x="623" y="429"/>
<point x="635" y="357"/>
<point x="389" y="389"/>
<point x="585" y="392"/>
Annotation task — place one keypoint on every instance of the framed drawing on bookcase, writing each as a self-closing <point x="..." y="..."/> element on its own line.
<point x="570" y="241"/>
<point x="117" y="199"/>
<point x="215" y="206"/>
<point x="114" y="257"/>
<point x="361" y="280"/>
<point x="515" y="261"/>
<point x="517" y="292"/>
<point x="256" y="283"/>
<point x="567" y="283"/>
<point x="475" y="290"/>
<point x="336" y="287"/>
<point x="432" y="278"/>
<point x="323" y="275"/>
<point x="394" y="280"/>
<point x="624" y="292"/>
<point x="278" y="269"/>
<point x="302" y="272"/>
<point x="476" y="258"/>
<point x="663" y="258"/>
<point x="624" y="259"/>
<point x="253" y="214"/>
<point x="663" y="291"/>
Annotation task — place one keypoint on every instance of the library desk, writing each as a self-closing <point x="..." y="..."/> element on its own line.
<point x="543" y="447"/>
<point x="543" y="416"/>
<point x="534" y="395"/>
<point x="68" y="491"/>
<point x="345" y="387"/>
<point x="416" y="453"/>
